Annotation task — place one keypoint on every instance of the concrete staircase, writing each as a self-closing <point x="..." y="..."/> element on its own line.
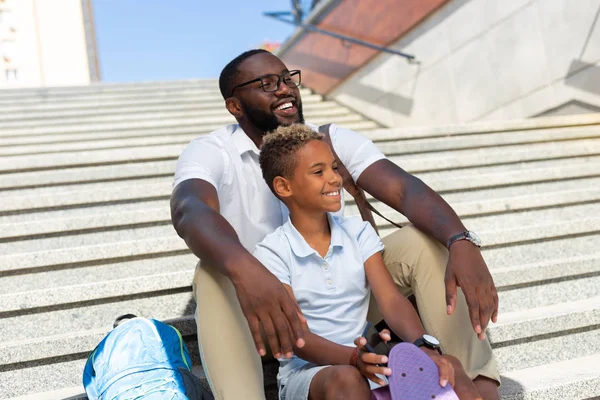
<point x="85" y="232"/>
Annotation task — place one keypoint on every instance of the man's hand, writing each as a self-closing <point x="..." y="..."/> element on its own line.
<point x="467" y="269"/>
<point x="369" y="364"/>
<point x="266" y="302"/>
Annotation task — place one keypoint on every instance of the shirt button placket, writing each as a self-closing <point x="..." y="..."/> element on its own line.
<point x="328" y="277"/>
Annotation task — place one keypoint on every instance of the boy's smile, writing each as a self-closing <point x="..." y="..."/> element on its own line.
<point x="316" y="184"/>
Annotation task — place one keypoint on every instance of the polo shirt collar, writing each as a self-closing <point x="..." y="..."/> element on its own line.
<point x="300" y="247"/>
<point x="242" y="142"/>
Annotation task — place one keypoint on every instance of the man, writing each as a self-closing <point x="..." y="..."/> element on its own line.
<point x="222" y="208"/>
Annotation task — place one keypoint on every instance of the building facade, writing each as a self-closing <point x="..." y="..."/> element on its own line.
<point x="47" y="43"/>
<point x="475" y="59"/>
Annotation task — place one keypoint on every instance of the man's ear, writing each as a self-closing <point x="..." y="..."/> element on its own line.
<point x="234" y="107"/>
<point x="282" y="187"/>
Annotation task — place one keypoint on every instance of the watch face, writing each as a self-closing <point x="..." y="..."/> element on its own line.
<point x="430" y="339"/>
<point x="472" y="237"/>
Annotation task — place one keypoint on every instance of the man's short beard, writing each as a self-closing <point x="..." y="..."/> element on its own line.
<point x="267" y="121"/>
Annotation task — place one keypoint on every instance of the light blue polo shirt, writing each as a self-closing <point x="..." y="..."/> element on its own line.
<point x="332" y="292"/>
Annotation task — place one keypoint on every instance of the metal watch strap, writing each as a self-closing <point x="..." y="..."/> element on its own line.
<point x="456" y="238"/>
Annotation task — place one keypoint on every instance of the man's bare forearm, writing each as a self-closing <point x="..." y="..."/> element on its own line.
<point x="428" y="211"/>
<point x="207" y="233"/>
<point x="409" y="195"/>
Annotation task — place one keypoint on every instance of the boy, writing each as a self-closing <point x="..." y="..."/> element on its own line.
<point x="329" y="264"/>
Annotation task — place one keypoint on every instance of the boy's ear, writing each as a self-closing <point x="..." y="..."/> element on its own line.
<point x="282" y="187"/>
<point x="234" y="107"/>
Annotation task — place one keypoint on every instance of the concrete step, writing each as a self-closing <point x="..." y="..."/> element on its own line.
<point x="545" y="351"/>
<point x="103" y="87"/>
<point x="580" y="203"/>
<point x="86" y="101"/>
<point x="468" y="177"/>
<point x="575" y="379"/>
<point x="131" y="243"/>
<point x="54" y="279"/>
<point x="36" y="380"/>
<point x="412" y="146"/>
<point x="494" y="184"/>
<point x="554" y="320"/>
<point x="479" y="127"/>
<point x="514" y="154"/>
<point x="196" y="120"/>
<point x="418" y="163"/>
<point x="128" y="110"/>
<point x="338" y="113"/>
<point x="75" y="317"/>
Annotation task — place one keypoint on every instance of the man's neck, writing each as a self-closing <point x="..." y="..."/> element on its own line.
<point x="256" y="135"/>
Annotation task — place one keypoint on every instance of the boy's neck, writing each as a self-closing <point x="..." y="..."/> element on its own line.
<point x="314" y="228"/>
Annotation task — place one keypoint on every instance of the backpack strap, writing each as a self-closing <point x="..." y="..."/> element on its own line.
<point x="351" y="187"/>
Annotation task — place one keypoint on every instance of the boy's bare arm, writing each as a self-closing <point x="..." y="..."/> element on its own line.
<point x="321" y="351"/>
<point x="397" y="311"/>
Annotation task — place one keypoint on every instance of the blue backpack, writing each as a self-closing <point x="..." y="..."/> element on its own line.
<point x="141" y="359"/>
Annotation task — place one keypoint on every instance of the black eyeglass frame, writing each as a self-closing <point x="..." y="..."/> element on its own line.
<point x="293" y="72"/>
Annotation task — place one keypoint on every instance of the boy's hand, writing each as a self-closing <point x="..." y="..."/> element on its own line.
<point x="445" y="366"/>
<point x="368" y="363"/>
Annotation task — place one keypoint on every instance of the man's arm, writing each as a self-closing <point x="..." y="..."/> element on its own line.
<point x="195" y="216"/>
<point x="430" y="213"/>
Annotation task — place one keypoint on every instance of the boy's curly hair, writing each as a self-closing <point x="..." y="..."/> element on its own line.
<point x="278" y="151"/>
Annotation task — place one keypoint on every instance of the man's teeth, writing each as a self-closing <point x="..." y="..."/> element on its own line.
<point x="332" y="193"/>
<point x="285" y="106"/>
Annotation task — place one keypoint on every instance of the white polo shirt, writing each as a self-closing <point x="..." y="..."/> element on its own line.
<point x="332" y="291"/>
<point x="228" y="160"/>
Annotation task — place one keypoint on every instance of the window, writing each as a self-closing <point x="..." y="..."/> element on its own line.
<point x="11" y="75"/>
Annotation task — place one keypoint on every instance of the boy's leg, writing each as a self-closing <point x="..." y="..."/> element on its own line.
<point x="229" y="357"/>
<point x="417" y="264"/>
<point x="338" y="382"/>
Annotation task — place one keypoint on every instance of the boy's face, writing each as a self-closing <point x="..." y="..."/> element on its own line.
<point x="316" y="184"/>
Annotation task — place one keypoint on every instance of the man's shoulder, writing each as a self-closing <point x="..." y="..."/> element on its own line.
<point x="217" y="137"/>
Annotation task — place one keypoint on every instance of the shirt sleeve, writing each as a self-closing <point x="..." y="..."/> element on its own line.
<point x="272" y="261"/>
<point x="202" y="159"/>
<point x="369" y="242"/>
<point x="355" y="151"/>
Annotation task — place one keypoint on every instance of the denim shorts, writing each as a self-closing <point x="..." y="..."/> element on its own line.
<point x="297" y="382"/>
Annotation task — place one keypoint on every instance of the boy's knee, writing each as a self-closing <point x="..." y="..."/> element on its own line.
<point x="346" y="382"/>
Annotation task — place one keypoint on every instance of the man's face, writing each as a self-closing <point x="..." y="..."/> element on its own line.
<point x="267" y="110"/>
<point x="316" y="183"/>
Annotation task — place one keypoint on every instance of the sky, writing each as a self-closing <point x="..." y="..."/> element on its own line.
<point x="145" y="40"/>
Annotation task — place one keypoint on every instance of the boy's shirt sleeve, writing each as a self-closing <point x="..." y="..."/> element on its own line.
<point x="369" y="242"/>
<point x="202" y="159"/>
<point x="272" y="260"/>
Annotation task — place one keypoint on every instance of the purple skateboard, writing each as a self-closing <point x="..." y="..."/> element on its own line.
<point x="414" y="377"/>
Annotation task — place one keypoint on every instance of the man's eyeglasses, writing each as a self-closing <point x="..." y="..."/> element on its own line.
<point x="271" y="82"/>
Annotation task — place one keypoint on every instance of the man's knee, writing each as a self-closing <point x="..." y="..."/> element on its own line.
<point x="346" y="382"/>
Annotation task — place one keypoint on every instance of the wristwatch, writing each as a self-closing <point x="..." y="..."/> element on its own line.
<point x="466" y="235"/>
<point x="428" y="341"/>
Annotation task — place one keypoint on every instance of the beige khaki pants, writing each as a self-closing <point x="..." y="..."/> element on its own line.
<point x="417" y="264"/>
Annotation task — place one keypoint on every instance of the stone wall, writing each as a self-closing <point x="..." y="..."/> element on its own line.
<point x="486" y="60"/>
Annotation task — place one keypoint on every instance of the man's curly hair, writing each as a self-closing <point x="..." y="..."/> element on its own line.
<point x="278" y="151"/>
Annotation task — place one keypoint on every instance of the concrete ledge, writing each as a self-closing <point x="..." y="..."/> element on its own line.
<point x="492" y="126"/>
<point x="544" y="321"/>
<point x="96" y="290"/>
<point x="573" y="379"/>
